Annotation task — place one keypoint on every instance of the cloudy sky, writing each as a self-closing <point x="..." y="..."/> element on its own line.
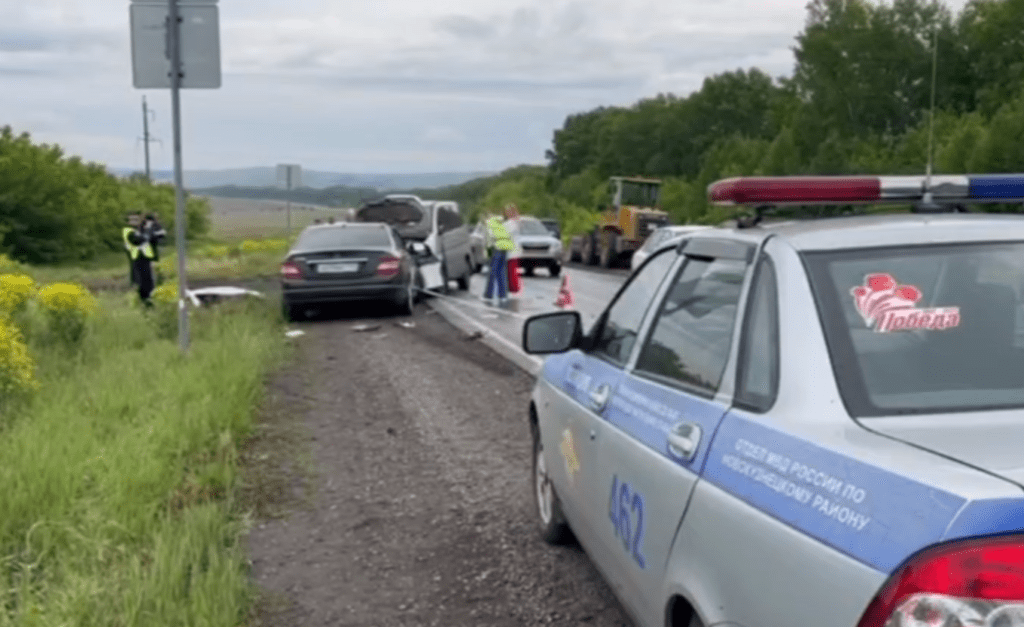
<point x="376" y="85"/>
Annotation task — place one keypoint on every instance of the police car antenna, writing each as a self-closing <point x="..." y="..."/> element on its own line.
<point x="931" y="113"/>
<point x="927" y="204"/>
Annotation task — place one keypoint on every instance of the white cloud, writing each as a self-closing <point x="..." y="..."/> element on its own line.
<point x="367" y="85"/>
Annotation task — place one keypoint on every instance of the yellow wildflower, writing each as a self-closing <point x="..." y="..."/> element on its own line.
<point x="67" y="297"/>
<point x="15" y="291"/>
<point x="166" y="294"/>
<point x="17" y="368"/>
<point x="67" y="305"/>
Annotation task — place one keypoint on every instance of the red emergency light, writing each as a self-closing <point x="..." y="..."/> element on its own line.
<point x="791" y="190"/>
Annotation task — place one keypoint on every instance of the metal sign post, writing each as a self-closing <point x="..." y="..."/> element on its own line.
<point x="289" y="177"/>
<point x="161" y="59"/>
<point x="174" y="44"/>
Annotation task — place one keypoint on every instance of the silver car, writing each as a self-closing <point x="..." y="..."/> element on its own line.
<point x="802" y="424"/>
<point x="540" y="247"/>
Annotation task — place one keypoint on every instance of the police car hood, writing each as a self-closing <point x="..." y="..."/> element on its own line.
<point x="990" y="441"/>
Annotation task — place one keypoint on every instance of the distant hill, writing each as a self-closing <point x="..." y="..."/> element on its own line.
<point x="267" y="177"/>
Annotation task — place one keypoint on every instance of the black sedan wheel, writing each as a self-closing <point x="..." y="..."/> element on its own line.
<point x="290" y="312"/>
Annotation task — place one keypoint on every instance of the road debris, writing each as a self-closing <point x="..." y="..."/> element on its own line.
<point x="294" y="333"/>
<point x="365" y="328"/>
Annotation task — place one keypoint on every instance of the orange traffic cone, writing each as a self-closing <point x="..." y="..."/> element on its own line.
<point x="565" y="297"/>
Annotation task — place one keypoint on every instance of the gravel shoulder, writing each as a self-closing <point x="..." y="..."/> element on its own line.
<point x="390" y="477"/>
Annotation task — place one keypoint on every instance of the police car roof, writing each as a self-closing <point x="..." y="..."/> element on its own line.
<point x="873" y="231"/>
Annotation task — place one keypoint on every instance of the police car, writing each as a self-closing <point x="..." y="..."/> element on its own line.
<point x="806" y="423"/>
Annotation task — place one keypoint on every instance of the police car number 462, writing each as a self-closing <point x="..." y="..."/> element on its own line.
<point x="804" y="422"/>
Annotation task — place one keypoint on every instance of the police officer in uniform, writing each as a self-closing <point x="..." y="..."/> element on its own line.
<point x="141" y="253"/>
<point x="155" y="232"/>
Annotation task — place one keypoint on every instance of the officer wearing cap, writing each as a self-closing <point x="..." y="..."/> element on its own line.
<point x="140" y="252"/>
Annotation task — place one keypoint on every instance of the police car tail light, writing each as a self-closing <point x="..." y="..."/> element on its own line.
<point x="388" y="266"/>
<point x="977" y="582"/>
<point x="290" y="270"/>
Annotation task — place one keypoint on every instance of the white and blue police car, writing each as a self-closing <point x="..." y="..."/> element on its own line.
<point x="803" y="423"/>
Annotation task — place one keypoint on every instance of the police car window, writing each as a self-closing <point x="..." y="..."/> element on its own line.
<point x="693" y="331"/>
<point x="924" y="329"/>
<point x="758" y="375"/>
<point x="616" y="337"/>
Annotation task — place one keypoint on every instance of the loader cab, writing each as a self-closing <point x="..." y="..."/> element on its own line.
<point x="634" y="192"/>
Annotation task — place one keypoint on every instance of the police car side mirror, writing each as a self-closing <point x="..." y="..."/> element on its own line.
<point x="548" y="333"/>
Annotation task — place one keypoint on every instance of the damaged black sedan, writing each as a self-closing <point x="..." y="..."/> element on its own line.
<point x="334" y="263"/>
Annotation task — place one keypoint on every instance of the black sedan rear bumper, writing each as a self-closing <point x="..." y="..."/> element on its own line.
<point x="305" y="294"/>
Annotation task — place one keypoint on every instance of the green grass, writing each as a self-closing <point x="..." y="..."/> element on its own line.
<point x="119" y="478"/>
<point x="265" y="224"/>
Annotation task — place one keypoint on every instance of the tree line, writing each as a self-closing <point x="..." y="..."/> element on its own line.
<point x="858" y="102"/>
<point x="56" y="209"/>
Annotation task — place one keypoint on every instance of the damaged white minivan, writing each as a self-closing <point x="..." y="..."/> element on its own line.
<point x="445" y="252"/>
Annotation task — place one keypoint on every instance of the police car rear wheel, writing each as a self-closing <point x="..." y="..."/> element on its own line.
<point x="554" y="529"/>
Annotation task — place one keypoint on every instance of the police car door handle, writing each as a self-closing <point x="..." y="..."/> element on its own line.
<point x="683" y="440"/>
<point x="599" y="397"/>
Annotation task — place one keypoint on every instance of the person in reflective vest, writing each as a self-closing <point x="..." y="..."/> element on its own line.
<point x="497" y="280"/>
<point x="132" y="221"/>
<point x="512" y="226"/>
<point x="140" y="252"/>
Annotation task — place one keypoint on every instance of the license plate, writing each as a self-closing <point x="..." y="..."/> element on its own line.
<point x="336" y="268"/>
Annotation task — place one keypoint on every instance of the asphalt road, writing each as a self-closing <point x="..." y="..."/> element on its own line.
<point x="414" y="505"/>
<point x="501" y="327"/>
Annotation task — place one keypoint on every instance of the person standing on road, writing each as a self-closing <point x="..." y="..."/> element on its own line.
<point x="132" y="222"/>
<point x="155" y="232"/>
<point x="512" y="226"/>
<point x="140" y="251"/>
<point x="497" y="280"/>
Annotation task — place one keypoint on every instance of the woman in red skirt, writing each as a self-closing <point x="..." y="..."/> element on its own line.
<point x="512" y="226"/>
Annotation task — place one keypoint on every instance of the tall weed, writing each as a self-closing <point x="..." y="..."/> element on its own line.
<point x="118" y="478"/>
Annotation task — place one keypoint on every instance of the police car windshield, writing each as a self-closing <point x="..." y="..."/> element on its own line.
<point x="924" y="329"/>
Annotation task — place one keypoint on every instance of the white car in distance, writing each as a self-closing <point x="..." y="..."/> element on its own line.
<point x="657" y="238"/>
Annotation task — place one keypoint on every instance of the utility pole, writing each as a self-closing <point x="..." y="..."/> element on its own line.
<point x="146" y="139"/>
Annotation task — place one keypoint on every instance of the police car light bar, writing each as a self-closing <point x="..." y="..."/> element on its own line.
<point x="845" y="190"/>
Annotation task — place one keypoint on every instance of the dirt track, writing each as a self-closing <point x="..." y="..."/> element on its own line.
<point x="414" y="505"/>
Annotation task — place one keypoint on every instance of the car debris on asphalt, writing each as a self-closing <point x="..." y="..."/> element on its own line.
<point x="365" y="328"/>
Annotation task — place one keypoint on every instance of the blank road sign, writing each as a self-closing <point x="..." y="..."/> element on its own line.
<point x="200" y="46"/>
